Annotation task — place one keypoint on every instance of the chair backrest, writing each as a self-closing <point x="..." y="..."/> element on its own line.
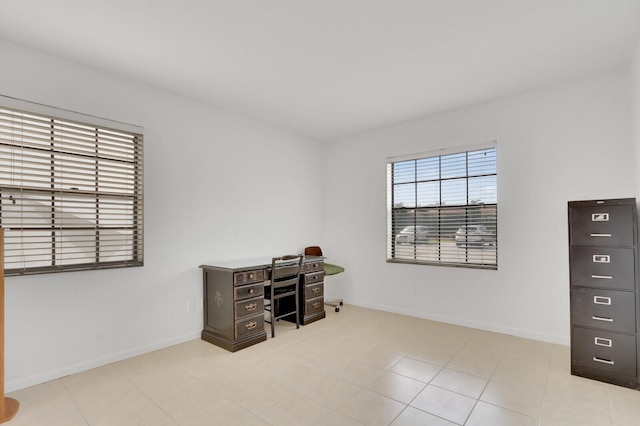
<point x="285" y="270"/>
<point x="313" y="251"/>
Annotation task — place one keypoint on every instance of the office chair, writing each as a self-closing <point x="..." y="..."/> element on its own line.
<point x="281" y="294"/>
<point x="329" y="269"/>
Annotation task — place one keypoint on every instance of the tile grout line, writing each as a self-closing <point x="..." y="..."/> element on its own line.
<point x="488" y="380"/>
<point x="546" y="386"/>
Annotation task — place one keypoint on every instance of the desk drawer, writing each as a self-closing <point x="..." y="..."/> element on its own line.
<point x="246" y="291"/>
<point x="313" y="306"/>
<point x="605" y="267"/>
<point x="248" y="277"/>
<point x="314" y="277"/>
<point x="603" y="350"/>
<point x="250" y="325"/>
<point x="312" y="267"/>
<point x="247" y="307"/>
<point x="605" y="309"/>
<point x="314" y="290"/>
<point x="604" y="225"/>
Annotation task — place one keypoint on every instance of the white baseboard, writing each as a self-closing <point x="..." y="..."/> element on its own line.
<point x="518" y="332"/>
<point x="25" y="382"/>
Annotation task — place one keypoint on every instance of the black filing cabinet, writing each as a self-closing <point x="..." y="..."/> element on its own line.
<point x="603" y="256"/>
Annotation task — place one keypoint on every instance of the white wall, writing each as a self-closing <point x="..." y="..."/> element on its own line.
<point x="209" y="196"/>
<point x="564" y="143"/>
<point x="635" y="112"/>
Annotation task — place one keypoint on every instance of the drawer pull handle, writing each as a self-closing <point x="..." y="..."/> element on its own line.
<point x="602" y="319"/>
<point x="251" y="290"/>
<point x="250" y="276"/>
<point x="315" y="290"/>
<point x="600" y="235"/>
<point x="251" y="306"/>
<point x="602" y="277"/>
<point x="601" y="258"/>
<point x="604" y="361"/>
<point x="601" y="341"/>
<point x="601" y="300"/>
<point x="251" y="325"/>
<point x="316" y="305"/>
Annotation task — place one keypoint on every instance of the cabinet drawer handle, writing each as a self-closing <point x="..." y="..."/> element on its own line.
<point x="604" y="361"/>
<point x="601" y="341"/>
<point x="602" y="319"/>
<point x="251" y="325"/>
<point x="250" y="276"/>
<point x="316" y="305"/>
<point x="251" y="290"/>
<point x="250" y="306"/>
<point x="601" y="258"/>
<point x="602" y="277"/>
<point x="600" y="235"/>
<point x="601" y="300"/>
<point x="315" y="290"/>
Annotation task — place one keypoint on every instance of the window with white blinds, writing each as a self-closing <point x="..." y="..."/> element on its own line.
<point x="70" y="190"/>
<point x="442" y="208"/>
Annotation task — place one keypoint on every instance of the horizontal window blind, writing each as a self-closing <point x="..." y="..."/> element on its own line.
<point x="71" y="194"/>
<point x="442" y="209"/>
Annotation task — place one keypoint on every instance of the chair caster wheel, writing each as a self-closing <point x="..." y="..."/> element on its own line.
<point x="337" y="309"/>
<point x="341" y="303"/>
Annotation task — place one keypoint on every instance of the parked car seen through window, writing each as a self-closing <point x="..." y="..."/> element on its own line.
<point x="474" y="235"/>
<point x="413" y="235"/>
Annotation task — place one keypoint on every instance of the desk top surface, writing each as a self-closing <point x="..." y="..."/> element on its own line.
<point x="246" y="264"/>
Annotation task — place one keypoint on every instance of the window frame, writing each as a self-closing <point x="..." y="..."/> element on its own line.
<point x="95" y="171"/>
<point x="440" y="247"/>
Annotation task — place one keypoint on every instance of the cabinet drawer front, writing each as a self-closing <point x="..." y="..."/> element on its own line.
<point x="247" y="307"/>
<point x="606" y="309"/>
<point x="314" y="305"/>
<point x="247" y="291"/>
<point x="602" y="225"/>
<point x="603" y="350"/>
<point x="250" y="325"/>
<point x="312" y="266"/>
<point x="314" y="290"/>
<point x="605" y="267"/>
<point x="314" y="277"/>
<point x="248" y="277"/>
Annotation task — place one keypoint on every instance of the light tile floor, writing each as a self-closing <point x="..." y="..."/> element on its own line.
<point x="356" y="367"/>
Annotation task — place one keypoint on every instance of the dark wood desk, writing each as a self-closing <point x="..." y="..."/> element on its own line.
<point x="233" y="300"/>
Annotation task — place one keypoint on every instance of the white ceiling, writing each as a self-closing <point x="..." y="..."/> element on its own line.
<point x="331" y="68"/>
